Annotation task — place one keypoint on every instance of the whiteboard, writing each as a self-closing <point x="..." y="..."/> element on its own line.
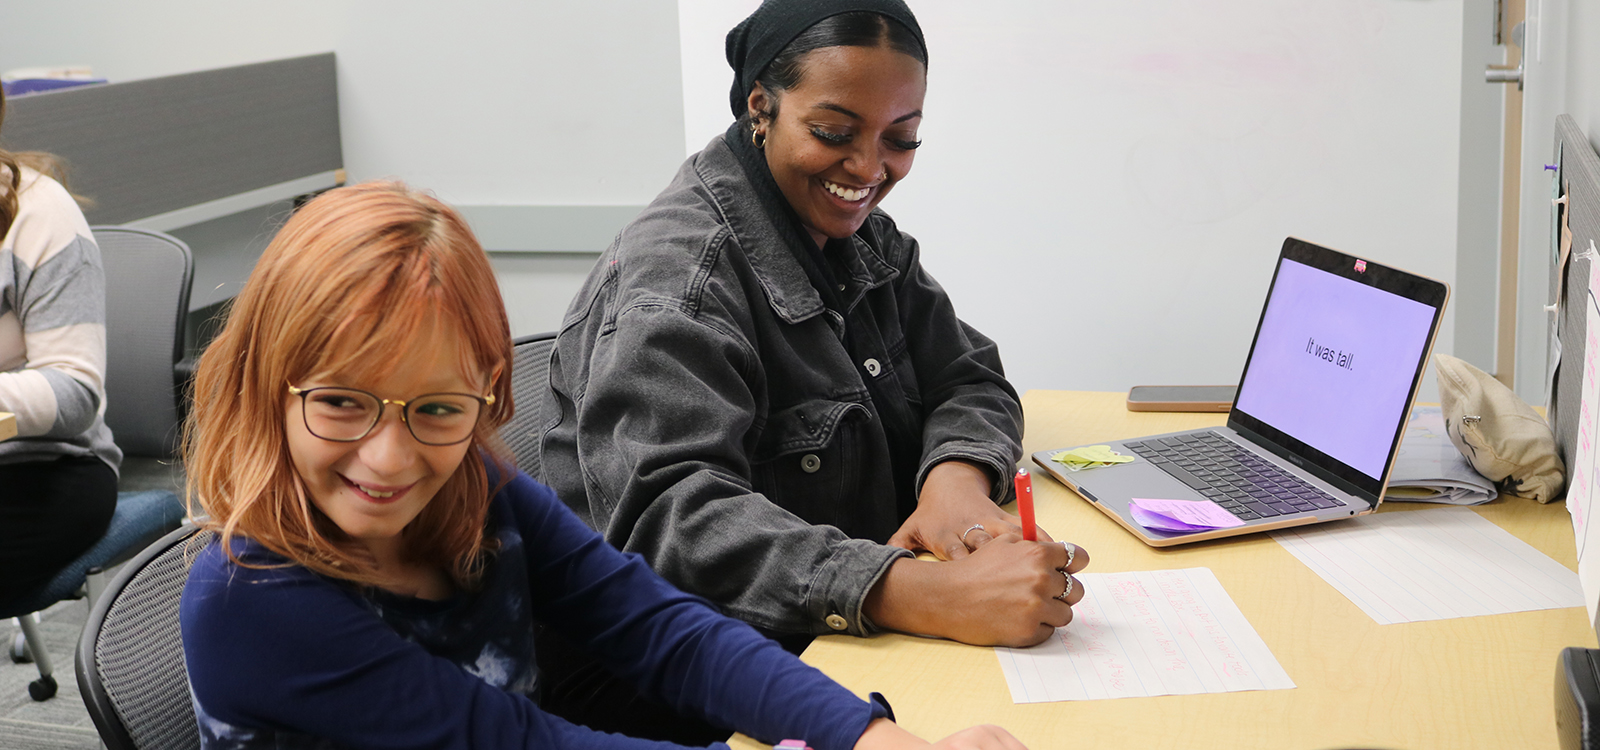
<point x="1103" y="187"/>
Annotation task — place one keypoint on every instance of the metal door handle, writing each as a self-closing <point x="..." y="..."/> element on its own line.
<point x="1500" y="75"/>
<point x="1509" y="75"/>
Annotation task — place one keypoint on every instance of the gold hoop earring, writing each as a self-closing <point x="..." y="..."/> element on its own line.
<point x="757" y="138"/>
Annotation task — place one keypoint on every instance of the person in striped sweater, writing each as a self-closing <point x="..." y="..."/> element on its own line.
<point x="58" y="476"/>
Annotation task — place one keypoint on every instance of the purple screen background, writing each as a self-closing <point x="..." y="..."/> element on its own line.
<point x="1350" y="413"/>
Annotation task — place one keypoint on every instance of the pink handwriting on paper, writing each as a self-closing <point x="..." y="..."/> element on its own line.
<point x="1580" y="479"/>
<point x="1093" y="639"/>
<point x="1222" y="655"/>
<point x="1173" y="632"/>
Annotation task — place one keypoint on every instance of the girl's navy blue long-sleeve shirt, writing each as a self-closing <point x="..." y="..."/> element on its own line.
<point x="286" y="658"/>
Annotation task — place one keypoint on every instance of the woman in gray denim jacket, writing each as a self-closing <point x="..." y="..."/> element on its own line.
<point x="761" y="391"/>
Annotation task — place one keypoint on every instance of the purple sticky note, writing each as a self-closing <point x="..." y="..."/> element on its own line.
<point x="1159" y="522"/>
<point x="1182" y="515"/>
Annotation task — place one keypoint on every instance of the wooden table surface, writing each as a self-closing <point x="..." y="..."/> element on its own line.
<point x="8" y="425"/>
<point x="1478" y="682"/>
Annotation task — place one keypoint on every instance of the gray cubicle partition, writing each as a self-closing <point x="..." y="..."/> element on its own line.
<point x="1577" y="171"/>
<point x="169" y="152"/>
<point x="1577" y="175"/>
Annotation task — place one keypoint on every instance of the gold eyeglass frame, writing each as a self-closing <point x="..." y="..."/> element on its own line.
<point x="487" y="401"/>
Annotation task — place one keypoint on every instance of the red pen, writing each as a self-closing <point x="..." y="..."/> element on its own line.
<point x="1025" y="504"/>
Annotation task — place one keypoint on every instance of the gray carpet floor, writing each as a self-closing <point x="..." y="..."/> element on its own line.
<point x="61" y="723"/>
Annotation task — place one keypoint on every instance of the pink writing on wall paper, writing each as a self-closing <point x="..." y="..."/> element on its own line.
<point x="1581" y="482"/>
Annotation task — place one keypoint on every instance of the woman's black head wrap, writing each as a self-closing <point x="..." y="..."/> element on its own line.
<point x="758" y="39"/>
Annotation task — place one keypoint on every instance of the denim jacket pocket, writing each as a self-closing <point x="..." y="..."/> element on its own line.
<point x="807" y="458"/>
<point x="905" y="374"/>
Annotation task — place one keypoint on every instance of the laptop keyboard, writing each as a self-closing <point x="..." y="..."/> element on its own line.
<point x="1245" y="484"/>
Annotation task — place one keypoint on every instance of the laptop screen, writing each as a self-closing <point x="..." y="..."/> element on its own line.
<point x="1336" y="360"/>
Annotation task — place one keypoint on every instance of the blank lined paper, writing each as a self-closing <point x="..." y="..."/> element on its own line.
<point x="1164" y="632"/>
<point x="1432" y="565"/>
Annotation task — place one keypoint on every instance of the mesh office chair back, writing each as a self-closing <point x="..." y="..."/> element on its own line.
<point x="530" y="386"/>
<point x="130" y="663"/>
<point x="146" y="273"/>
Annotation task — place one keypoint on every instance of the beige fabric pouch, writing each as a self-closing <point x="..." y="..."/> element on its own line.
<point x="1499" y="433"/>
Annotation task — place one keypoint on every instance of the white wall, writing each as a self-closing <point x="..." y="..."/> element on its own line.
<point x="1103" y="187"/>
<point x="1055" y="224"/>
<point x="1583" y="68"/>
<point x="538" y="286"/>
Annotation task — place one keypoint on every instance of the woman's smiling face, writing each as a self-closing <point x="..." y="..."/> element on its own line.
<point x="844" y="135"/>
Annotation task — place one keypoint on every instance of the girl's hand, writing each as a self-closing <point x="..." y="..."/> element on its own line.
<point x="981" y="737"/>
<point x="883" y="734"/>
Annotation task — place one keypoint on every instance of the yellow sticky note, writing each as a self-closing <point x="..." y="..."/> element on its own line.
<point x="1090" y="456"/>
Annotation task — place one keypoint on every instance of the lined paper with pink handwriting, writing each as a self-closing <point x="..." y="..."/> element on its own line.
<point x="1163" y="632"/>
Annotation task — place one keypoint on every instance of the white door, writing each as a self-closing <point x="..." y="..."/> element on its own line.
<point x="1544" y="73"/>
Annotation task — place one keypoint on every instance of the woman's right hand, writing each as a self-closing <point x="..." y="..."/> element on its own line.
<point x="1003" y="594"/>
<point x="883" y="734"/>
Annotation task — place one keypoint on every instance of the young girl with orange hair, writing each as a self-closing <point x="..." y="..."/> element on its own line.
<point x="379" y="566"/>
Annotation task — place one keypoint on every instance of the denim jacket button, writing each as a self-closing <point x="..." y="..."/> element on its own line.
<point x="873" y="368"/>
<point x="809" y="463"/>
<point x="836" y="622"/>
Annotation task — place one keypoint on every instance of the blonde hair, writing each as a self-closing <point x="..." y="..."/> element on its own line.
<point x="353" y="283"/>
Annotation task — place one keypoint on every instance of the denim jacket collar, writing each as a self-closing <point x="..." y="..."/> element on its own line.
<point x="769" y="245"/>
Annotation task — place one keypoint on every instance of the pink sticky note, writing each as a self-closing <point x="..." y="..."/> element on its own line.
<point x="1188" y="515"/>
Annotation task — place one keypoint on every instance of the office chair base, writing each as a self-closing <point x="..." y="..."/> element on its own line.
<point x="42" y="689"/>
<point x="19" y="650"/>
<point x="1578" y="699"/>
<point x="45" y="687"/>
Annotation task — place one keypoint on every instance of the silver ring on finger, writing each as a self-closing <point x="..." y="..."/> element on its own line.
<point x="1072" y="554"/>
<point x="1062" y="597"/>
<point x="974" y="527"/>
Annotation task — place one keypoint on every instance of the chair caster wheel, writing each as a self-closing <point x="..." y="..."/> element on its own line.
<point x="42" y="689"/>
<point x="19" y="650"/>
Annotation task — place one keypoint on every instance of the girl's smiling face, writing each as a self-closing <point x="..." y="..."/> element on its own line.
<point x="844" y="135"/>
<point x="372" y="488"/>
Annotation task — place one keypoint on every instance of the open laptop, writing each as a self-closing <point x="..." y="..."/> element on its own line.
<point x="1332" y="373"/>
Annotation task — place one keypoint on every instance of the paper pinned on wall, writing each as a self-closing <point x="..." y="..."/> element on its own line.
<point x="1432" y="565"/>
<point x="1581" y="476"/>
<point x="1163" y="632"/>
